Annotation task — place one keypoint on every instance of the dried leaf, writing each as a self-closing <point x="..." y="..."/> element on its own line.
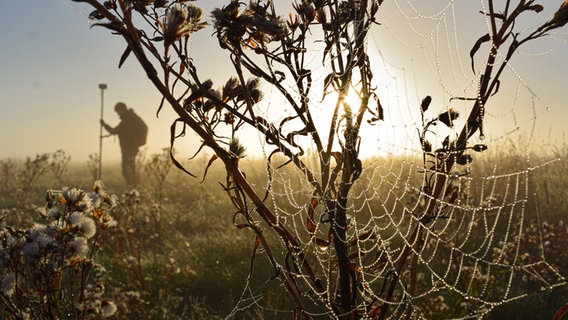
<point x="497" y="86"/>
<point x="281" y="76"/>
<point x="110" y="25"/>
<point x="172" y="140"/>
<point x="380" y="111"/>
<point x="124" y="55"/>
<point x="162" y="101"/>
<point x="213" y="158"/>
<point x="476" y="47"/>
<point x="375" y="311"/>
<point x="337" y="156"/>
<point x="375" y="8"/>
<point x="562" y="311"/>
<point x="310" y="224"/>
<point x="357" y="169"/>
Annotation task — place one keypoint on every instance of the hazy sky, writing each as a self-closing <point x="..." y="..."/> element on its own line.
<point x="52" y="61"/>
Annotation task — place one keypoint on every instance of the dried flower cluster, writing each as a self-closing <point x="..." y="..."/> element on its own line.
<point x="48" y="271"/>
<point x="180" y="21"/>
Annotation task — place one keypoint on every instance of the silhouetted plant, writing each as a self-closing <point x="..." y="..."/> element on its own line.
<point x="157" y="169"/>
<point x="34" y="169"/>
<point x="267" y="49"/>
<point x="93" y="165"/>
<point x="9" y="180"/>
<point x="58" y="164"/>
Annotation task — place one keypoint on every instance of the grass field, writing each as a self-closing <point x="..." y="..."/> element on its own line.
<point x="172" y="251"/>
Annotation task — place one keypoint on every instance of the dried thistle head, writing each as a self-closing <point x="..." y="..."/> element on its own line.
<point x="306" y="10"/>
<point x="253" y="87"/>
<point x="140" y="5"/>
<point x="180" y="21"/>
<point x="293" y="22"/>
<point x="249" y="27"/>
<point x="236" y="149"/>
<point x="230" y="24"/>
<point x="230" y="89"/>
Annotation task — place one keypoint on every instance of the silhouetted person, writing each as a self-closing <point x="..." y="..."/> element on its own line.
<point x="132" y="132"/>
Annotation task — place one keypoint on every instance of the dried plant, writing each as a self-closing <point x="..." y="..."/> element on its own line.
<point x="58" y="164"/>
<point x="273" y="51"/>
<point x="48" y="270"/>
<point x="157" y="168"/>
<point x="93" y="165"/>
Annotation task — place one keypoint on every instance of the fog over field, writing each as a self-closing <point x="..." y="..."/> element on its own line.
<point x="303" y="159"/>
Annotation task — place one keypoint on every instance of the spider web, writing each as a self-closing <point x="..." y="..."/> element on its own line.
<point x="475" y="255"/>
<point x="485" y="249"/>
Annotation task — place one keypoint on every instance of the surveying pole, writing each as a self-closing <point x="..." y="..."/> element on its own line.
<point x="102" y="86"/>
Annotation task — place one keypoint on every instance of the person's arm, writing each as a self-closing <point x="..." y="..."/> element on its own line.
<point x="108" y="128"/>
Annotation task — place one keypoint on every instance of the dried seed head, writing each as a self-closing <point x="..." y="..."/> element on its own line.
<point x="180" y="21"/>
<point x="108" y="308"/>
<point x="448" y="117"/>
<point x="88" y="227"/>
<point x="78" y="247"/>
<point x="561" y="16"/>
<point x="236" y="148"/>
<point x="425" y="103"/>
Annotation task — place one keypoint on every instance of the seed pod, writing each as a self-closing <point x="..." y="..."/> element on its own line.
<point x="479" y="147"/>
<point x="561" y="16"/>
<point x="425" y="103"/>
<point x="96" y="15"/>
<point x="448" y="117"/>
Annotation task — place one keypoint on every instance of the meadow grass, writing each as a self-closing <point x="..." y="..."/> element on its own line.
<point x="174" y="253"/>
